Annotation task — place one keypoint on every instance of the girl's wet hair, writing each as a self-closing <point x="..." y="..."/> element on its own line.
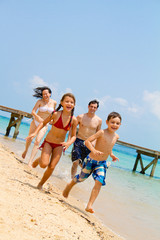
<point x="59" y="106"/>
<point x="114" y="115"/>
<point x="39" y="90"/>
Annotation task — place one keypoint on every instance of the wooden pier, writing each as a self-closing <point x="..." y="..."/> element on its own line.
<point x="143" y="151"/>
<point x="18" y="115"/>
<point x="15" y="119"/>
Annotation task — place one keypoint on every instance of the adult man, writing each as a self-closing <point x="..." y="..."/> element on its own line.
<point x="89" y="124"/>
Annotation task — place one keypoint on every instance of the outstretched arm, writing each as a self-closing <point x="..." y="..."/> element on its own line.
<point x="114" y="158"/>
<point x="40" y="126"/>
<point x="89" y="145"/>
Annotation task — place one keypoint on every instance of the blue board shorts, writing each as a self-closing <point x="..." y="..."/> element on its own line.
<point x="96" y="168"/>
<point x="79" y="151"/>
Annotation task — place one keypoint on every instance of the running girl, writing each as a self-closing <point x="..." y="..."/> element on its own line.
<point x="54" y="143"/>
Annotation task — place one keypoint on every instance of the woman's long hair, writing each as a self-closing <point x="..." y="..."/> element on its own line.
<point x="39" y="90"/>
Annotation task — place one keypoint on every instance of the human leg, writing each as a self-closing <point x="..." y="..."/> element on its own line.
<point x="36" y="162"/>
<point x="36" y="144"/>
<point x="86" y="171"/>
<point x="99" y="175"/>
<point x="28" y="141"/>
<point x="93" y="196"/>
<point x="43" y="160"/>
<point x="79" y="153"/>
<point x="68" y="188"/>
<point x="56" y="154"/>
<point x="74" y="168"/>
<point x="84" y="174"/>
<point x="76" y="156"/>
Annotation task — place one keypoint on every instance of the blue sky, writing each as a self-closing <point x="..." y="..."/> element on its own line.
<point x="108" y="50"/>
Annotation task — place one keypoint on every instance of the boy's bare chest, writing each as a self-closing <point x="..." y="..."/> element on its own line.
<point x="108" y="141"/>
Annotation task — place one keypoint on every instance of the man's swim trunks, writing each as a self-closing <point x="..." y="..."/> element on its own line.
<point x="79" y="151"/>
<point x="96" y="168"/>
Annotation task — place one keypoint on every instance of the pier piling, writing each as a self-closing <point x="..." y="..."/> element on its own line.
<point x="15" y="119"/>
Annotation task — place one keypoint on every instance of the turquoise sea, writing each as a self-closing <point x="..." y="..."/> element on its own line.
<point x="129" y="204"/>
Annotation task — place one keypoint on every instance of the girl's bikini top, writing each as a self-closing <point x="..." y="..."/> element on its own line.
<point x="46" y="109"/>
<point x="59" y="124"/>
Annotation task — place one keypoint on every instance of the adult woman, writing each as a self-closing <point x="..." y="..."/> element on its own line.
<point x="45" y="105"/>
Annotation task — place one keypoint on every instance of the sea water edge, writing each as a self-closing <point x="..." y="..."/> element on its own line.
<point x="132" y="194"/>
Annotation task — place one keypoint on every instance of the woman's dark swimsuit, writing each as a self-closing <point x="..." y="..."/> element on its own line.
<point x="58" y="124"/>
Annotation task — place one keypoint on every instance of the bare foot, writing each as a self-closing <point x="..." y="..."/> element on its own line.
<point x="30" y="165"/>
<point x="90" y="210"/>
<point x="66" y="191"/>
<point x="24" y="154"/>
<point x="35" y="163"/>
<point x="39" y="186"/>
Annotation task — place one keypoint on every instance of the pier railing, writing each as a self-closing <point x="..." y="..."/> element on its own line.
<point x="143" y="151"/>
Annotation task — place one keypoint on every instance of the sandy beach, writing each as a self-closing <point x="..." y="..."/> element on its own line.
<point x="30" y="214"/>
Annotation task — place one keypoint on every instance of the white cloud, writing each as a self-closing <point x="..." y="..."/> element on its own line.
<point x="120" y="104"/>
<point x="153" y="100"/>
<point x="103" y="100"/>
<point x="130" y="107"/>
<point x="121" y="101"/>
<point x="36" y="81"/>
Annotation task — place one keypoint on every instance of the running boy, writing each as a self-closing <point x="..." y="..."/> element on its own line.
<point x="96" y="162"/>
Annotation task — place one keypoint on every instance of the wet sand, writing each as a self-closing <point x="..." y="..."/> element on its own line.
<point x="27" y="213"/>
